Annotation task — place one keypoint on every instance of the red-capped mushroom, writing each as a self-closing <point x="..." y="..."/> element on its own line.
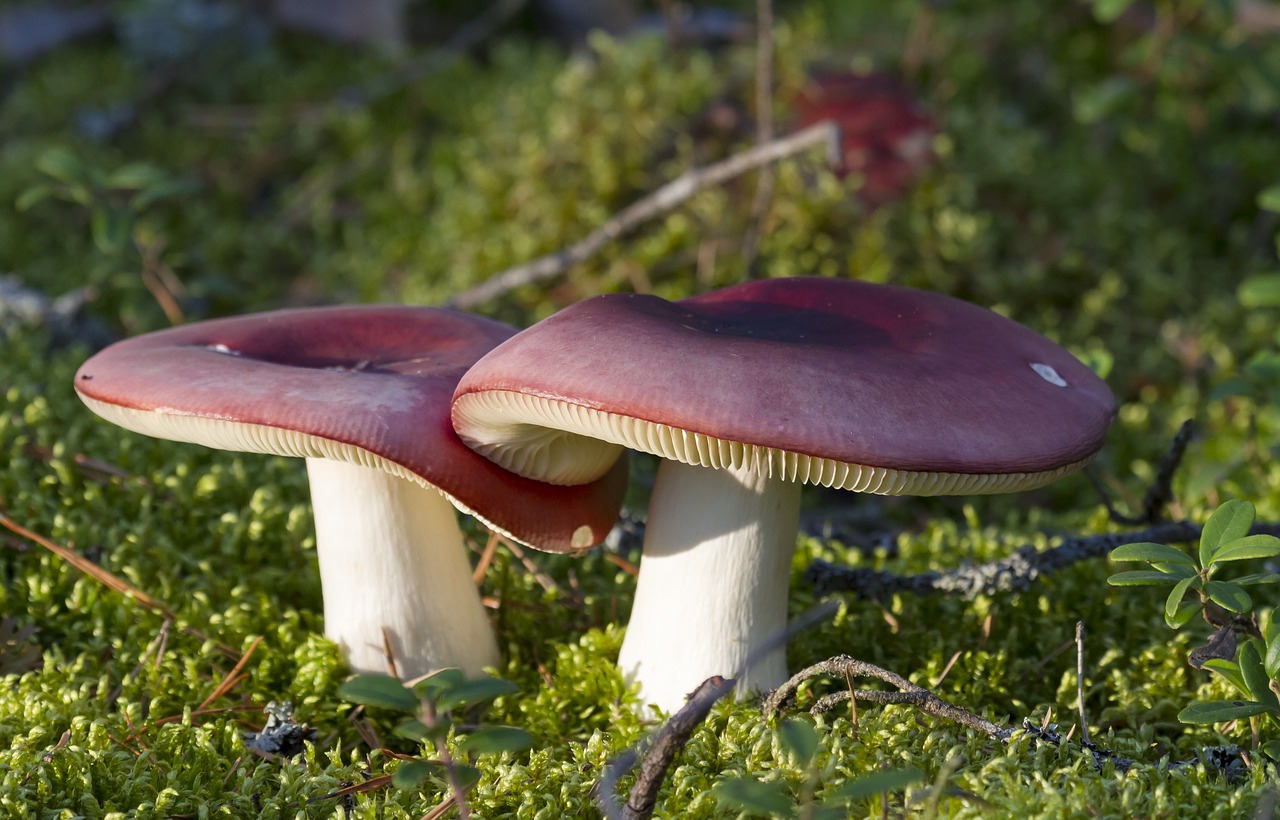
<point x="750" y="392"/>
<point x="886" y="136"/>
<point x="363" y="394"/>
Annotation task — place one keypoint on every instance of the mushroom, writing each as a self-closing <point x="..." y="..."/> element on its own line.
<point x="362" y="393"/>
<point x="750" y="392"/>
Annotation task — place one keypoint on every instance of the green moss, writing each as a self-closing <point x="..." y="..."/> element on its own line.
<point x="1095" y="181"/>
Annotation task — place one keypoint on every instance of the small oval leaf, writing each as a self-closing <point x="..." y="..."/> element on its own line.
<point x="1228" y="596"/>
<point x="497" y="739"/>
<point x="798" y="737"/>
<point x="745" y="794"/>
<point x="1220" y="711"/>
<point x="474" y="691"/>
<point x="379" y="690"/>
<point x="1150" y="551"/>
<point x="1255" y="676"/>
<point x="1141" y="577"/>
<point x="1229" y="670"/>
<point x="1260" y="291"/>
<point x="892" y="780"/>
<point x="1251" y="546"/>
<point x="1174" y="601"/>
<point x="1227" y="523"/>
<point x="412" y="772"/>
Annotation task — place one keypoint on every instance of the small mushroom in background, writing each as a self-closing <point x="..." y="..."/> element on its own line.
<point x="363" y="394"/>
<point x="886" y="136"/>
<point x="750" y="392"/>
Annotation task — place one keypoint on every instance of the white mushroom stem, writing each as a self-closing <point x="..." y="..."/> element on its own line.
<point x="392" y="557"/>
<point x="713" y="582"/>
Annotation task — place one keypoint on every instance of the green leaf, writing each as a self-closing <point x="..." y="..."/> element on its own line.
<point x="111" y="228"/>
<point x="1184" y="613"/>
<point x="1220" y="711"/>
<point x="1229" y="670"/>
<point x="800" y="740"/>
<point x="1174" y="601"/>
<point x="1179" y="571"/>
<point x="1228" y="596"/>
<point x="474" y="691"/>
<point x="1230" y="521"/>
<point x="1099" y="360"/>
<point x="33" y="195"/>
<point x="1271" y="661"/>
<point x="1260" y="291"/>
<point x="1257" y="578"/>
<point x="379" y="690"/>
<point x="412" y="772"/>
<point x="1269" y="199"/>
<point x="64" y="166"/>
<point x="165" y="189"/>
<point x="467" y="776"/>
<point x="1271" y="749"/>
<point x="1108" y="11"/>
<point x="1251" y="546"/>
<point x="1255" y="676"/>
<point x="1142" y="577"/>
<point x="746" y="794"/>
<point x="415" y="729"/>
<point x="134" y="176"/>
<point x="494" y="739"/>
<point x="891" y="780"/>
<point x="437" y="683"/>
<point x="1150" y="552"/>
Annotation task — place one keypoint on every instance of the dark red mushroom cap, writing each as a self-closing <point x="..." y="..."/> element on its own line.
<point x="847" y="384"/>
<point x="886" y="136"/>
<point x="369" y="385"/>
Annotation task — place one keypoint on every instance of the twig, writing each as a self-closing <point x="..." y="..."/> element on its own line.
<point x="1084" y="721"/>
<point x="486" y="558"/>
<point x="676" y="731"/>
<point x="1160" y="493"/>
<point x="666" y="744"/>
<point x="660" y="201"/>
<point x="111" y="580"/>
<point x="156" y="646"/>
<point x="764" y="134"/>
<point x="909" y="693"/>
<point x="1015" y="573"/>
<point x="544" y="580"/>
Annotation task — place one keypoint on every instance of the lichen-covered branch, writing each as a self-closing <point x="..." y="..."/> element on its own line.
<point x="1011" y="574"/>
<point x="908" y="693"/>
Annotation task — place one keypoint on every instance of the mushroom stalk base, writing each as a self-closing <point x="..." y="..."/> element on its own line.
<point x="392" y="557"/>
<point x="713" y="583"/>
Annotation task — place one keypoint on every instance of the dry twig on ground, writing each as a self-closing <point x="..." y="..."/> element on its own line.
<point x="660" y="201"/>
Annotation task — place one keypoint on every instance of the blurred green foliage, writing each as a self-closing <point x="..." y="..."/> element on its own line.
<point x="1105" y="173"/>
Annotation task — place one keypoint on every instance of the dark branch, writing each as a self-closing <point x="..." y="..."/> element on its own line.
<point x="909" y="693"/>
<point x="1015" y="573"/>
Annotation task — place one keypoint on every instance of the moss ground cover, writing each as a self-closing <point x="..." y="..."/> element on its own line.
<point x="1097" y="178"/>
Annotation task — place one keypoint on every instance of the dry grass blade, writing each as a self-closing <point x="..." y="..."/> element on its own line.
<point x="109" y="580"/>
<point x="232" y="678"/>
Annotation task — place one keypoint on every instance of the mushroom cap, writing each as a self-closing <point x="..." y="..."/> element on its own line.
<point x="886" y="136"/>
<point x="369" y="385"/>
<point x="845" y="384"/>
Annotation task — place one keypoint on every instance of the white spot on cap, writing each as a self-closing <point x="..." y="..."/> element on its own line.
<point x="1048" y="374"/>
<point x="221" y="348"/>
<point x="581" y="538"/>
